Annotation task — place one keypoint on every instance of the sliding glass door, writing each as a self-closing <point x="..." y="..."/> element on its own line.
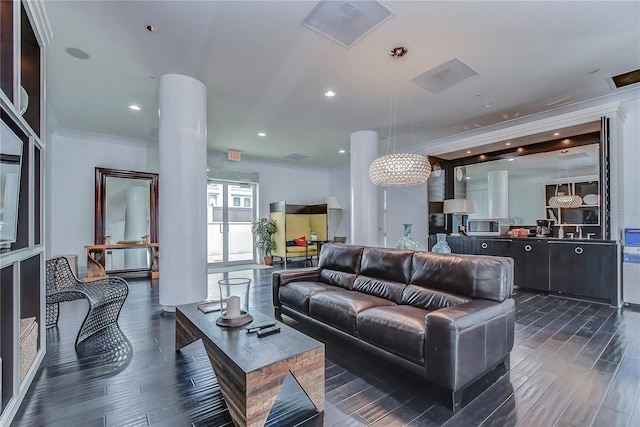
<point x="231" y="208"/>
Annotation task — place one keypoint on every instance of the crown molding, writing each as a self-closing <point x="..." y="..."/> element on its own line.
<point x="101" y="137"/>
<point x="40" y="20"/>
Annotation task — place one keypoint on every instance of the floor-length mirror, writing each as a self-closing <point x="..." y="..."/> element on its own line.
<point x="126" y="213"/>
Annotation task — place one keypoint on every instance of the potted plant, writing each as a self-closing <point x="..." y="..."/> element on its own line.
<point x="314" y="234"/>
<point x="263" y="229"/>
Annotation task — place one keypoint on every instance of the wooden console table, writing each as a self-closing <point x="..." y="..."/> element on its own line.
<point x="97" y="254"/>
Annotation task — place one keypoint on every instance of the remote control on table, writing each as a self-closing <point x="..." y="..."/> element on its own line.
<point x="269" y="331"/>
<point x="262" y="325"/>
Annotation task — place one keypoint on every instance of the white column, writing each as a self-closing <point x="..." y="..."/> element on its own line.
<point x="135" y="225"/>
<point x="182" y="191"/>
<point x="498" y="194"/>
<point x="365" y="226"/>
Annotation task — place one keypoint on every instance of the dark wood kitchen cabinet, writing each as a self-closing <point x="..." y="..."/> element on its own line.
<point x="584" y="269"/>
<point x="477" y="246"/>
<point x="495" y="247"/>
<point x="531" y="264"/>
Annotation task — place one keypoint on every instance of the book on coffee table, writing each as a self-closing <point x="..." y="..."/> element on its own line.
<point x="209" y="306"/>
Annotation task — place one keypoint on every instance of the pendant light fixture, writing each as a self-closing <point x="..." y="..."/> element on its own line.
<point x="398" y="169"/>
<point x="561" y="200"/>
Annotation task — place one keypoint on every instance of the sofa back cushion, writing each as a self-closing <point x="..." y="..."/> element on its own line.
<point x="340" y="264"/>
<point x="380" y="288"/>
<point x="430" y="299"/>
<point x="387" y="264"/>
<point x="472" y="276"/>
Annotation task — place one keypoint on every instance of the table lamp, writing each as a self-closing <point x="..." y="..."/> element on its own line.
<point x="458" y="207"/>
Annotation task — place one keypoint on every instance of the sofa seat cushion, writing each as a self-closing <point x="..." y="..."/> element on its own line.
<point x="301" y="250"/>
<point x="399" y="329"/>
<point x="340" y="308"/>
<point x="297" y="294"/>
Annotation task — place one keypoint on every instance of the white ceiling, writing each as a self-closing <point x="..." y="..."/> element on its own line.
<point x="266" y="72"/>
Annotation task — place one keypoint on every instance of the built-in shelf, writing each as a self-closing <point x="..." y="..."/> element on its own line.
<point x="22" y="261"/>
<point x="587" y="214"/>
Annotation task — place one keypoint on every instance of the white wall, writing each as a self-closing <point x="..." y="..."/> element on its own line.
<point x="73" y="157"/>
<point x="407" y="205"/>
<point x="70" y="175"/>
<point x="630" y="191"/>
<point x="340" y="186"/>
<point x="280" y="181"/>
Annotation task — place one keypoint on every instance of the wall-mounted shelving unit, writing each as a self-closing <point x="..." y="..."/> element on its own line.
<point x="586" y="214"/>
<point x="24" y="32"/>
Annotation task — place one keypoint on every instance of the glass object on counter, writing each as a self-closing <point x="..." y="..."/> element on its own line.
<point x="441" y="246"/>
<point x="407" y="241"/>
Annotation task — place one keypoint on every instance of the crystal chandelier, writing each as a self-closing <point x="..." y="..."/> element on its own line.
<point x="399" y="169"/>
<point x="561" y="200"/>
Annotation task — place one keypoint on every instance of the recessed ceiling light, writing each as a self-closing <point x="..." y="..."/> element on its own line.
<point x="488" y="105"/>
<point x="262" y="134"/>
<point x="151" y="28"/>
<point x="507" y="144"/>
<point x="520" y="149"/>
<point x="329" y="94"/>
<point x="510" y="160"/>
<point x="77" y="53"/>
<point x="468" y="177"/>
<point x="468" y="151"/>
<point x="556" y="134"/>
<point x="134" y="107"/>
<point x="342" y="151"/>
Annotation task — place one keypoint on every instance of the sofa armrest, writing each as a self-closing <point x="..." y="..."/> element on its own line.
<point x="464" y="341"/>
<point x="281" y="278"/>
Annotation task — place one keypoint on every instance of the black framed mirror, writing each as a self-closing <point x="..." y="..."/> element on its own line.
<point x="126" y="205"/>
<point x="565" y="155"/>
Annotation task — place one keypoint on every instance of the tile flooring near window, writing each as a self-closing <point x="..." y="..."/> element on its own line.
<point x="574" y="363"/>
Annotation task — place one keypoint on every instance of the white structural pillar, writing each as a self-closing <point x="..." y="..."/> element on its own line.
<point x="365" y="226"/>
<point x="136" y="220"/>
<point x="182" y="191"/>
<point x="498" y="194"/>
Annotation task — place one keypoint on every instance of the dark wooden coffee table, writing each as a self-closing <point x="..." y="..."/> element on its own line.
<point x="251" y="370"/>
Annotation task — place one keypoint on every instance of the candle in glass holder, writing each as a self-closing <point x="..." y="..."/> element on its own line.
<point x="233" y="306"/>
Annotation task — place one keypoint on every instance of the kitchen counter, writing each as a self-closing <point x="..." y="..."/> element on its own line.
<point x="554" y="239"/>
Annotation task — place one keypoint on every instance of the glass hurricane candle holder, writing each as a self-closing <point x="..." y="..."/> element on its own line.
<point x="234" y="302"/>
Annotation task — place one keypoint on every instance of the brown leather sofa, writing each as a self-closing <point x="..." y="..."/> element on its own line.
<point x="449" y="318"/>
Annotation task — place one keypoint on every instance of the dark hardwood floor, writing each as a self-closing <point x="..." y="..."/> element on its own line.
<point x="574" y="363"/>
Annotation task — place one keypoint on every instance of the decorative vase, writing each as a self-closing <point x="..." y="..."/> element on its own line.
<point x="406" y="241"/>
<point x="441" y="245"/>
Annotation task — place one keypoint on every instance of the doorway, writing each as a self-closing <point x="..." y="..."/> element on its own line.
<point x="231" y="208"/>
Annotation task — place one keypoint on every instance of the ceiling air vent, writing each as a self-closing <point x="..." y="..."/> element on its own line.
<point x="444" y="76"/>
<point x="294" y="156"/>
<point x="626" y="79"/>
<point x="346" y="22"/>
